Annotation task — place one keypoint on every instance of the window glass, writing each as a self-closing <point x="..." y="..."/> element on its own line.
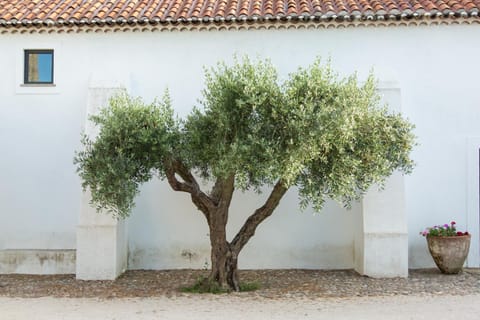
<point x="38" y="66"/>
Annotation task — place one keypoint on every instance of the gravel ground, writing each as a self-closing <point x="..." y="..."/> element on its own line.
<point x="274" y="284"/>
<point x="221" y="307"/>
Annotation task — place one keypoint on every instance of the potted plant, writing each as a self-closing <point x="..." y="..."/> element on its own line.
<point x="448" y="247"/>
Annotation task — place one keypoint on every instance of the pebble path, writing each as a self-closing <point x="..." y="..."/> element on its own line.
<point x="309" y="284"/>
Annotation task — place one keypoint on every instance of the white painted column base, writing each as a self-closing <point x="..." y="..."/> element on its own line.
<point x="381" y="242"/>
<point x="101" y="251"/>
<point x="101" y="239"/>
<point x="385" y="255"/>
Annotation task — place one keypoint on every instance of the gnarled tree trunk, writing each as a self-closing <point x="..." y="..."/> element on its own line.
<point x="224" y="266"/>
<point x="224" y="254"/>
<point x="223" y="258"/>
<point x="215" y="206"/>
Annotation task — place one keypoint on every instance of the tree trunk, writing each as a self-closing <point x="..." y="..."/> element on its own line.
<point x="215" y="206"/>
<point x="224" y="267"/>
<point x="224" y="255"/>
<point x="224" y="261"/>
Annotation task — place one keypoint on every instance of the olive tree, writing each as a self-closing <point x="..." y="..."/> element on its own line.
<point x="328" y="136"/>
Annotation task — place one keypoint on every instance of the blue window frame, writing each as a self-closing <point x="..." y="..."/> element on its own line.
<point x="38" y="67"/>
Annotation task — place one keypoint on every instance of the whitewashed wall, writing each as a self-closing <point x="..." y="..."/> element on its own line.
<point x="436" y="68"/>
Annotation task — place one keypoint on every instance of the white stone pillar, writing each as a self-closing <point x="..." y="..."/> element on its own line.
<point x="101" y="239"/>
<point x="381" y="244"/>
<point x="381" y="241"/>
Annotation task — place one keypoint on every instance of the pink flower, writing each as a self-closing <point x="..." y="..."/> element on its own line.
<point x="453" y="223"/>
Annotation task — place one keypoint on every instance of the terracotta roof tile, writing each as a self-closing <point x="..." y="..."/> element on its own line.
<point x="18" y="12"/>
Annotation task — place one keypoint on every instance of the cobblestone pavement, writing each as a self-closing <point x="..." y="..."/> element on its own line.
<point x="301" y="284"/>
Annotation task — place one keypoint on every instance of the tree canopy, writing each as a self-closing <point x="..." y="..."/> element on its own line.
<point x="329" y="136"/>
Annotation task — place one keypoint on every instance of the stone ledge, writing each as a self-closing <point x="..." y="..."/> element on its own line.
<point x="37" y="261"/>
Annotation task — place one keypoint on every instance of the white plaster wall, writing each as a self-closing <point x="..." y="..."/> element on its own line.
<point x="166" y="231"/>
<point x="39" y="130"/>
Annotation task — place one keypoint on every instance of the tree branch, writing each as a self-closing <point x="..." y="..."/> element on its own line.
<point x="189" y="185"/>
<point x="174" y="183"/>
<point x="248" y="229"/>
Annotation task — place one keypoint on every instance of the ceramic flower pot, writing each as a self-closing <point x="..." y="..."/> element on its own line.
<point x="449" y="253"/>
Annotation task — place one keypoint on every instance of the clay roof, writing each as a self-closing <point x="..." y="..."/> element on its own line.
<point x="111" y="12"/>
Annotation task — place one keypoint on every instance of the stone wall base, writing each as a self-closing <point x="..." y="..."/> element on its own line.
<point x="33" y="261"/>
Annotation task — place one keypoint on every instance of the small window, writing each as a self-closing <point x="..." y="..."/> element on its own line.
<point x="38" y="67"/>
